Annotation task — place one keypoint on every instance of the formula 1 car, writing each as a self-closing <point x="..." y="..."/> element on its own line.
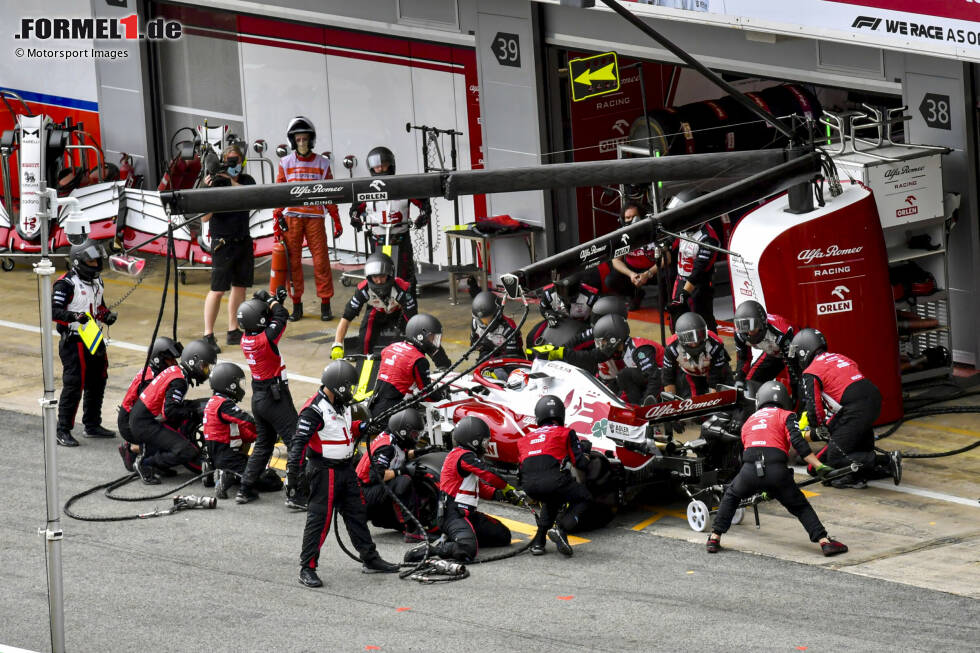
<point x="635" y="446"/>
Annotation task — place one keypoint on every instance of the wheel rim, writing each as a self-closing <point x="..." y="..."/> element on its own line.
<point x="698" y="516"/>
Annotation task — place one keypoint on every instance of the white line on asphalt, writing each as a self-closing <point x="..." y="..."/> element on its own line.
<point x="909" y="489"/>
<point x="133" y="347"/>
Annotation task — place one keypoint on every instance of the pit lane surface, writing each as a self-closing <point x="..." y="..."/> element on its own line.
<point x="225" y="580"/>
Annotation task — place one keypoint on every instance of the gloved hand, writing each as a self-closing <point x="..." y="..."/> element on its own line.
<point x="372" y="428"/>
<point x="281" y="294"/>
<point x="512" y="496"/>
<point x="823" y="470"/>
<point x="338" y="228"/>
<point x="683" y="297"/>
<point x="421" y="451"/>
<point x="337" y="351"/>
<point x="262" y="295"/>
<point x="820" y="433"/>
<point x="110" y="318"/>
<point x="292" y="480"/>
<point x="740" y="385"/>
<point x="81" y="318"/>
<point x="586" y="445"/>
<point x="424" y="214"/>
<point x="540" y="351"/>
<point x="356" y="219"/>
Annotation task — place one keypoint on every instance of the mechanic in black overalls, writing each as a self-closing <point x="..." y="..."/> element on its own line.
<point x="484" y="308"/>
<point x="767" y="436"/>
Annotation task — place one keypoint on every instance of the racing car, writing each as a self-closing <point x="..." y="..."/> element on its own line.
<point x="635" y="444"/>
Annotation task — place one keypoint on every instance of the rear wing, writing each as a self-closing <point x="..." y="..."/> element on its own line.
<point x="675" y="409"/>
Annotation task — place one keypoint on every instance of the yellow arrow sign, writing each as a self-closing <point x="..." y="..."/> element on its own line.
<point x="604" y="74"/>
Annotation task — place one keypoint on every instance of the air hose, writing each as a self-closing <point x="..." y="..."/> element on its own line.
<point x="925" y="412"/>
<point x="180" y="502"/>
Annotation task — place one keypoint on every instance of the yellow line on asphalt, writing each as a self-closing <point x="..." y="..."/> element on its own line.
<point x="530" y="529"/>
<point x="951" y="429"/>
<point x="659" y="513"/>
<point x="646" y="522"/>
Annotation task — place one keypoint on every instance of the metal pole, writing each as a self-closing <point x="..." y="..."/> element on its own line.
<point x="52" y="531"/>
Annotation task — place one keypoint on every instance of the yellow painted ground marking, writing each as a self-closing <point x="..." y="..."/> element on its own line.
<point x="646" y="522"/>
<point x="808" y="494"/>
<point x="948" y="429"/>
<point x="530" y="529"/>
<point x="658" y="514"/>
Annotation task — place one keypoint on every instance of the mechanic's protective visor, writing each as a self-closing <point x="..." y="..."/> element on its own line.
<point x="607" y="345"/>
<point x="435" y="339"/>
<point x="692" y="339"/>
<point x="376" y="267"/>
<point x="751" y="327"/>
<point x="91" y="252"/>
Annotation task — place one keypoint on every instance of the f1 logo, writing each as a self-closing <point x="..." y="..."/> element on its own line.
<point x="866" y="21"/>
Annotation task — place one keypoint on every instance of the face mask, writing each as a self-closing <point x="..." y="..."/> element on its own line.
<point x="234" y="167"/>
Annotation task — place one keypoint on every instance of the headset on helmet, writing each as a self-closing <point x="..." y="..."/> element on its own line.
<point x="425" y="332"/>
<point x="301" y="125"/>
<point x="228" y="379"/>
<point x="471" y="433"/>
<point x="84" y="253"/>
<point x="164" y="352"/>
<point x="609" y="305"/>
<point x="378" y="157"/>
<point x="405" y="426"/>
<point x="549" y="409"/>
<point x="196" y="360"/>
<point x="806" y="345"/>
<point x="253" y="316"/>
<point x="339" y="377"/>
<point x="750" y="321"/>
<point x="378" y="264"/>
<point x="485" y="305"/>
<point x="610" y="332"/>
<point x="692" y="332"/>
<point x="773" y="393"/>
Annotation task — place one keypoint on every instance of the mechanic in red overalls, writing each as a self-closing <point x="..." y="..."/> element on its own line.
<point x="162" y="409"/>
<point x="842" y="406"/>
<point x="164" y="353"/>
<point x="767" y="436"/>
<point x="404" y="367"/>
<point x="699" y="355"/>
<point x="637" y="268"/>
<point x="464" y="480"/>
<point x="228" y="430"/>
<point x="384" y="465"/>
<point x="263" y="319"/>
<point x="772" y="334"/>
<point x="542" y="452"/>
<point x="328" y="440"/>
<point x="389" y="301"/>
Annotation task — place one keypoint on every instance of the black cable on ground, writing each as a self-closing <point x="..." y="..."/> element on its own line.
<point x="925" y="412"/>
<point x="118" y="483"/>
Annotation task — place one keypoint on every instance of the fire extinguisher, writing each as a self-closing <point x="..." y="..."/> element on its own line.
<point x="279" y="274"/>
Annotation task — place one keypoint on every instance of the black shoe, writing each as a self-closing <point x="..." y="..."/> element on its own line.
<point x="850" y="481"/>
<point x="246" y="495"/>
<point x="98" y="432"/>
<point x="146" y="473"/>
<point x="378" y="566"/>
<point x="209" y="338"/>
<point x="833" y="547"/>
<point x="297" y="501"/>
<point x="234" y="337"/>
<point x="166" y="472"/>
<point x="557" y="535"/>
<point x="895" y="466"/>
<point x="222" y="481"/>
<point x="325" y="313"/>
<point x="713" y="545"/>
<point x="297" y="315"/>
<point x="537" y="549"/>
<point x="127" y="456"/>
<point x="415" y="554"/>
<point x="65" y="439"/>
<point x="309" y="578"/>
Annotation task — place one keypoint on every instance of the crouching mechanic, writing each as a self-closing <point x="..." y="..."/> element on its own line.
<point x="484" y="308"/>
<point x="771" y="334"/>
<point x="464" y="480"/>
<point x="228" y="430"/>
<point x="325" y="434"/>
<point x="390" y="304"/>
<point x="161" y="410"/>
<point x="383" y="465"/>
<point x="164" y="353"/>
<point x="542" y="452"/>
<point x="699" y="355"/>
<point x="767" y="436"/>
<point x="841" y="407"/>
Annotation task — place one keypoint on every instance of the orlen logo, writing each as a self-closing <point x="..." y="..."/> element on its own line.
<point x="911" y="209"/>
<point x="746" y="289"/>
<point x="809" y="255"/>
<point x="103" y="29"/>
<point x="842" y="306"/>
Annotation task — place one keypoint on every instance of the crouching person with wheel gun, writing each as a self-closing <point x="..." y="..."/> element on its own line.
<point x="767" y="436"/>
<point x="381" y="470"/>
<point x="228" y="430"/>
<point x="163" y="354"/>
<point x="464" y="480"/>
<point x="325" y="434"/>
<point x="542" y="452"/>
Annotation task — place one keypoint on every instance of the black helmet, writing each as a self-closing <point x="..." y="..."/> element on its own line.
<point x="609" y="305"/>
<point x="378" y="264"/>
<point x="750" y="321"/>
<point x="773" y="393"/>
<point x="806" y="345"/>
<point x="425" y="332"/>
<point x="405" y="426"/>
<point x="379" y="156"/>
<point x="196" y="360"/>
<point x="86" y="252"/>
<point x="339" y="378"/>
<point x="485" y="304"/>
<point x="549" y="409"/>
<point x="471" y="433"/>
<point x="610" y="332"/>
<point x="692" y="332"/>
<point x="684" y="197"/>
<point x="164" y="352"/>
<point x="253" y="315"/>
<point x="228" y="379"/>
<point x="301" y="125"/>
